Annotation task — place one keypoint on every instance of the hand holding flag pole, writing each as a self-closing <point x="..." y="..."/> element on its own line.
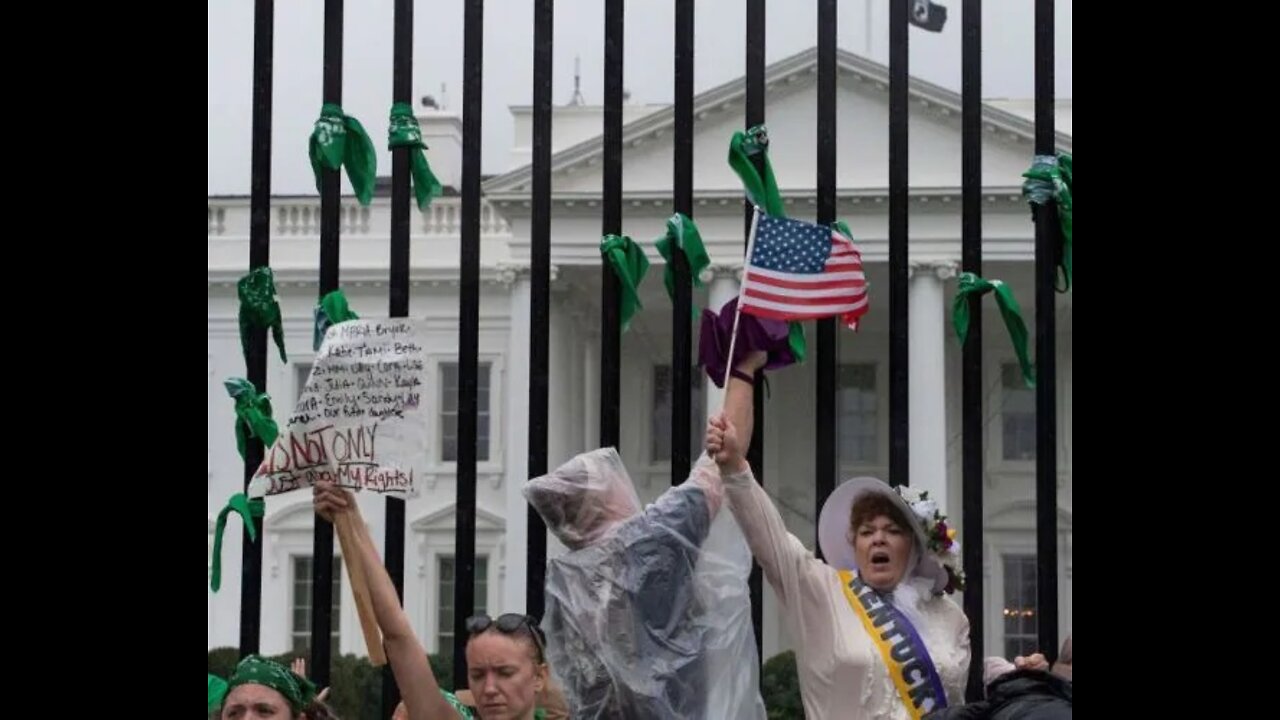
<point x="737" y="311"/>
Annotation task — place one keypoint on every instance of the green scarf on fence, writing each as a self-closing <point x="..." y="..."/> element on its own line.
<point x="682" y="233"/>
<point x="339" y="140"/>
<point x="1050" y="179"/>
<point x="971" y="284"/>
<point x="247" y="510"/>
<point x="630" y="265"/>
<point x="259" y="309"/>
<point x="405" y="133"/>
<point x="253" y="414"/>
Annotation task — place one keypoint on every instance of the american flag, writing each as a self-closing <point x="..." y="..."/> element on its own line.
<point x="801" y="271"/>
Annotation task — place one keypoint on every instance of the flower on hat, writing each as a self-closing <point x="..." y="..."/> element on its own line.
<point x="941" y="538"/>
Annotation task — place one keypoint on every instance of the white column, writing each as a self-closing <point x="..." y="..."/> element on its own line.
<point x="564" y="430"/>
<point x="723" y="287"/>
<point x="516" y="434"/>
<point x="590" y="389"/>
<point x="564" y="426"/>
<point x="927" y="375"/>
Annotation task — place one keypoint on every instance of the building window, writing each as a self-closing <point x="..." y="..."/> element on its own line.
<point x="301" y="626"/>
<point x="301" y="371"/>
<point x="449" y="412"/>
<point x="1020" y="632"/>
<point x="1017" y="415"/>
<point x="857" y="411"/>
<point x="663" y="401"/>
<point x="446" y="578"/>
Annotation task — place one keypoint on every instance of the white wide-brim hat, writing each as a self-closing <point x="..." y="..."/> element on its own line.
<point x="833" y="529"/>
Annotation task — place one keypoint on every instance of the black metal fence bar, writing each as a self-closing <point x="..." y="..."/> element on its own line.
<point x="540" y="295"/>
<point x="972" y="400"/>
<point x="611" y="222"/>
<point x="330" y="213"/>
<point x="755" y="116"/>
<point x="1047" y="236"/>
<point x="401" y="92"/>
<point x="259" y="256"/>
<point x="468" y="331"/>
<point x="899" y="392"/>
<point x="828" y="348"/>
<point x="682" y="309"/>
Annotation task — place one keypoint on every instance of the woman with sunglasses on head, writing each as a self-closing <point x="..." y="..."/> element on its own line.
<point x="506" y="665"/>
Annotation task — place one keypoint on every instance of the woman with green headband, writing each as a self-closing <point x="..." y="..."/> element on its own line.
<point x="506" y="665"/>
<point x="260" y="689"/>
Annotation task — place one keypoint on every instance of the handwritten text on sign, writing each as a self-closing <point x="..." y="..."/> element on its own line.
<point x="360" y="421"/>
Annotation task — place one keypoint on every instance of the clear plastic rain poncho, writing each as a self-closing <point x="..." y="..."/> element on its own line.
<point x="649" y="614"/>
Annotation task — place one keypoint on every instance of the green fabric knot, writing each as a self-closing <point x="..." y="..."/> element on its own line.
<point x="971" y="284"/>
<point x="259" y="309"/>
<point x="1049" y="178"/>
<point x="253" y="414"/>
<point x="339" y="140"/>
<point x="760" y="187"/>
<point x="248" y="510"/>
<point x="630" y="265"/>
<point x="683" y="234"/>
<point x="404" y="132"/>
<point x="331" y="310"/>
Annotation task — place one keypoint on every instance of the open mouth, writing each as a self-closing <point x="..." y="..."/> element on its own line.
<point x="880" y="559"/>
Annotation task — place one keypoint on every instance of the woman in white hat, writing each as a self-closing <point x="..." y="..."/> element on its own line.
<point x="876" y="637"/>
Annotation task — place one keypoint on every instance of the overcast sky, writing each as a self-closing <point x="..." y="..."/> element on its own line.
<point x="1008" y="67"/>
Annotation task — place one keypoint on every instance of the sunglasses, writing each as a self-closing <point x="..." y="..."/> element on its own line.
<point x="508" y="624"/>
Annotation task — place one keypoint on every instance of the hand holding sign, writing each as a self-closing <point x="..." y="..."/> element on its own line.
<point x="360" y="422"/>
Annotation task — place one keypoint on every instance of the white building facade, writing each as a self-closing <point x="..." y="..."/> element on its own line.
<point x="862" y="404"/>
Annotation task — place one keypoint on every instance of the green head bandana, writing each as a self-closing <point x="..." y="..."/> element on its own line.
<point x="256" y="670"/>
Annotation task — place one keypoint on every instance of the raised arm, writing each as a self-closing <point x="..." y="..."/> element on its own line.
<point x="782" y="556"/>
<point x="408" y="659"/>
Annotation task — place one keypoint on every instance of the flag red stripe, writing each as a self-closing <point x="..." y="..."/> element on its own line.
<point x="850" y="297"/>
<point x="803" y="285"/>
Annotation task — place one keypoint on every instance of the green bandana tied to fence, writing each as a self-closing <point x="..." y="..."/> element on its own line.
<point x="259" y="309"/>
<point x="761" y="189"/>
<point x="971" y="284"/>
<point x="247" y="510"/>
<point x="253" y="414"/>
<point x="331" y="310"/>
<point x="630" y="265"/>
<point x="1050" y="179"/>
<point x="683" y="233"/>
<point x="405" y="132"/>
<point x="338" y="141"/>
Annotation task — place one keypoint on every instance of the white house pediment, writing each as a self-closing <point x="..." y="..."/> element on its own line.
<point x="445" y="519"/>
<point x="862" y="106"/>
<point x="298" y="516"/>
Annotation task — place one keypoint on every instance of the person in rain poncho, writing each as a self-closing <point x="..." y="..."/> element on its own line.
<point x="644" y="617"/>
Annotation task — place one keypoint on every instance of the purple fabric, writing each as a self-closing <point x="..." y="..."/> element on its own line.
<point x="754" y="333"/>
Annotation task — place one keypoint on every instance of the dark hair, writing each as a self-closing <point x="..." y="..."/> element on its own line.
<point x="316" y="710"/>
<point x="873" y="505"/>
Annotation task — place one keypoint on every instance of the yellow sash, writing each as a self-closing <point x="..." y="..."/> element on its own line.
<point x="900" y="646"/>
